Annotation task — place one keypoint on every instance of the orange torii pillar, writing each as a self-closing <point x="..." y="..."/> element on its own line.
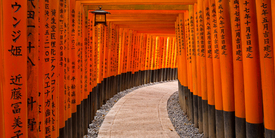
<point x="14" y="42"/>
<point x="175" y="65"/>
<point x="198" y="66"/>
<point x="148" y="53"/>
<point x="2" y="120"/>
<point x="82" y="49"/>
<point x="47" y="70"/>
<point x="61" y="64"/>
<point x="189" y="67"/>
<point x="141" y="50"/>
<point x="216" y="72"/>
<point x="105" y="63"/>
<point x="209" y="71"/>
<point x="238" y="70"/>
<point x="41" y="70"/>
<point x="66" y="67"/>
<point x="165" y="57"/>
<point x="178" y="54"/>
<point x="193" y="60"/>
<point x="93" y="62"/>
<point x="140" y="58"/>
<point x="124" y="60"/>
<point x="86" y="64"/>
<point x="156" y="59"/>
<point x="72" y="64"/>
<point x="265" y="36"/>
<point x="120" y="58"/>
<point x="226" y="66"/>
<point x="54" y="32"/>
<point x="110" y="61"/>
<point x="161" y="59"/>
<point x="252" y="76"/>
<point x="170" y="57"/>
<point x="202" y="55"/>
<point x="116" y="55"/>
<point x="129" y="59"/>
<point x="167" y="63"/>
<point x="183" y="57"/>
<point x="152" y="61"/>
<point x="32" y="69"/>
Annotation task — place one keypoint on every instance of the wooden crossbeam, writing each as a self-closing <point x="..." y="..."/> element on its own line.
<point x="127" y="2"/>
<point x="138" y="7"/>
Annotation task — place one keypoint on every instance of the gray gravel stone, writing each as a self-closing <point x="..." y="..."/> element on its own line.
<point x="179" y="119"/>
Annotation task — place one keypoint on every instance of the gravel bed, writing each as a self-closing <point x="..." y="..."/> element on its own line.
<point x="179" y="119"/>
<point x="103" y="111"/>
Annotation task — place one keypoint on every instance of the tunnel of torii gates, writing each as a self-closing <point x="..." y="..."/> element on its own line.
<point x="57" y="68"/>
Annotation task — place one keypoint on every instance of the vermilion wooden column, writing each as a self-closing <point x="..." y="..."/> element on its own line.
<point x="216" y="71"/>
<point x="252" y="76"/>
<point x="156" y="58"/>
<point x="226" y="65"/>
<point x="66" y="65"/>
<point x="149" y="46"/>
<point x="198" y="66"/>
<point x="175" y="60"/>
<point x="171" y="55"/>
<point x="78" y="90"/>
<point x="2" y="119"/>
<point x="124" y="59"/>
<point x="47" y="71"/>
<point x="183" y="51"/>
<point x="110" y="62"/>
<point x="189" y="57"/>
<point x="209" y="70"/>
<point x="41" y="103"/>
<point x="85" y="50"/>
<point x="202" y="63"/>
<point x="32" y="69"/>
<point x="83" y="67"/>
<point x="100" y="59"/>
<point x="169" y="49"/>
<point x="160" y="58"/>
<point x="71" y="86"/>
<point x="89" y="49"/>
<point x="193" y="60"/>
<point x="177" y="31"/>
<point x="273" y="19"/>
<point x="61" y="64"/>
<point x="104" y="62"/>
<point x="164" y="58"/>
<point x="238" y="70"/>
<point x="264" y="19"/>
<point x="152" y="55"/>
<point x="54" y="32"/>
<point x="14" y="41"/>
<point x="273" y="23"/>
<point x="129" y="58"/>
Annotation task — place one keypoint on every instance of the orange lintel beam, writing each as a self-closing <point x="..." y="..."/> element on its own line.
<point x="127" y="2"/>
<point x="158" y="31"/>
<point x="146" y="11"/>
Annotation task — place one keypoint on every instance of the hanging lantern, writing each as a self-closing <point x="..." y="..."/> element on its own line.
<point x="100" y="16"/>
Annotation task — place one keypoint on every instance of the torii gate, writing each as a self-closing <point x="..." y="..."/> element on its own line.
<point x="57" y="68"/>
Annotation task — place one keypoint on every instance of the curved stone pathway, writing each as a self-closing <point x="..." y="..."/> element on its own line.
<point x="141" y="113"/>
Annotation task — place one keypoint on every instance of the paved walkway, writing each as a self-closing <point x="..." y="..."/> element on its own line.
<point x="142" y="113"/>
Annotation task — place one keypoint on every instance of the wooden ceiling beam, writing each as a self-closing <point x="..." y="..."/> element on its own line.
<point x="146" y="11"/>
<point x="128" y="2"/>
<point x="139" y="7"/>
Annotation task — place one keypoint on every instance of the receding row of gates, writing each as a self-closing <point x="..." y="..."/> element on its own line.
<point x="57" y="68"/>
